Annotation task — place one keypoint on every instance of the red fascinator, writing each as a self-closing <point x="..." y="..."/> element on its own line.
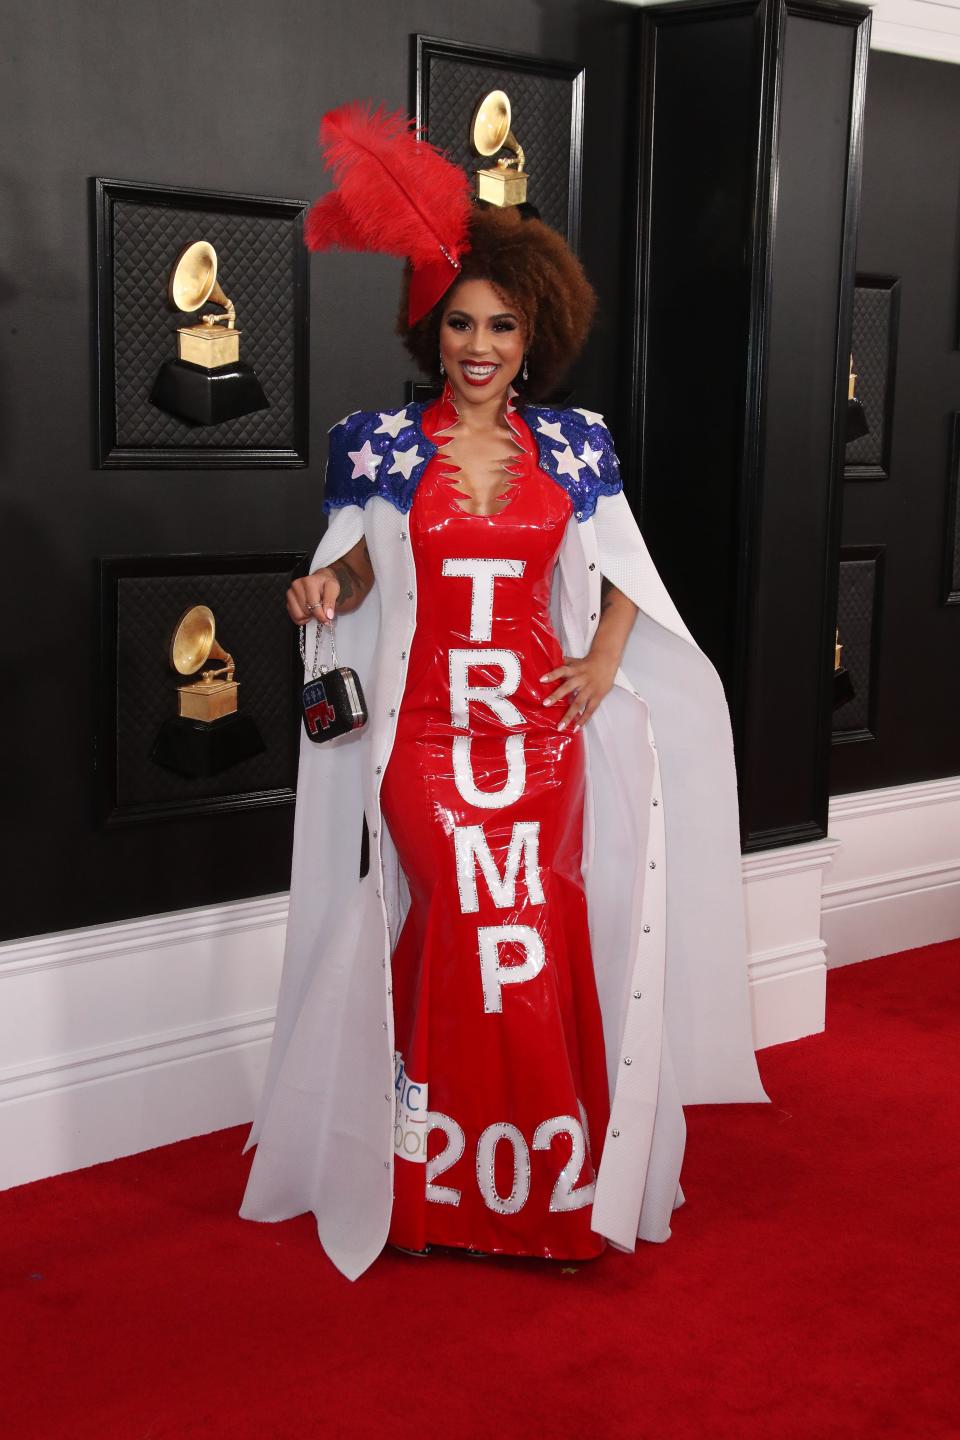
<point x="396" y="194"/>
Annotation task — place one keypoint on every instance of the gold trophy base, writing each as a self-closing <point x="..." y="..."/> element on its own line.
<point x="208" y="345"/>
<point x="208" y="700"/>
<point x="502" y="186"/>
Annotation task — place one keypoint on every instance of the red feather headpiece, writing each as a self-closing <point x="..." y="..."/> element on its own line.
<point x="396" y="194"/>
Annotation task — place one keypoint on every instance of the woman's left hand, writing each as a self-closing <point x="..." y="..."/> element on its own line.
<point x="585" y="681"/>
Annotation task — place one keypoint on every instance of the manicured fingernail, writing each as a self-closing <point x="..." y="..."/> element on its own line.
<point x="549" y="700"/>
<point x="329" y="614"/>
<point x="562" y="725"/>
<point x="544" y="677"/>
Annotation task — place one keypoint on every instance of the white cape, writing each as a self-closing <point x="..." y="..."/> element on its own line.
<point x="662" y="872"/>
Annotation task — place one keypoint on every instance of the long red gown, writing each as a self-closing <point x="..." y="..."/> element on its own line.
<point x="502" y="1098"/>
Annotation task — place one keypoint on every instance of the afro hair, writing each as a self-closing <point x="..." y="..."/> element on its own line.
<point x="531" y="266"/>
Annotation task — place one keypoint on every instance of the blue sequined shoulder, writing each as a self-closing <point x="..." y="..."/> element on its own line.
<point x="385" y="452"/>
<point x="576" y="449"/>
<point x="377" y="452"/>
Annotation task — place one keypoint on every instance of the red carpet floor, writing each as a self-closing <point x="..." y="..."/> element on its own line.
<point x="809" y="1289"/>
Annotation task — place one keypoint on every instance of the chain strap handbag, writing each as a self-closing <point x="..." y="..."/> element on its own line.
<point x="333" y="702"/>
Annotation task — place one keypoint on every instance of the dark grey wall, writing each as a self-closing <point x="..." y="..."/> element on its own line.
<point x="910" y="226"/>
<point x="223" y="96"/>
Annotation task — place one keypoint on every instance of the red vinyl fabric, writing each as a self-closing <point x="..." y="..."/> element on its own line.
<point x="502" y="1097"/>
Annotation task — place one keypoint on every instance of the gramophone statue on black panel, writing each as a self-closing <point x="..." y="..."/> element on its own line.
<point x="504" y="183"/>
<point x="208" y="382"/>
<point x="207" y="735"/>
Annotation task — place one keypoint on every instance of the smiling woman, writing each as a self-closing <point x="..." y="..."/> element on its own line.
<point x="511" y="1038"/>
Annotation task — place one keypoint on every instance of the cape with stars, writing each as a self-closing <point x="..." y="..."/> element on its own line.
<point x="385" y="452"/>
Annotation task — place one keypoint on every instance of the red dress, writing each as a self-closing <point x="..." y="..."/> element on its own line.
<point x="502" y="1098"/>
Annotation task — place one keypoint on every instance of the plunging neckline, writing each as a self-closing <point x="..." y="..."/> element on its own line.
<point x="446" y="419"/>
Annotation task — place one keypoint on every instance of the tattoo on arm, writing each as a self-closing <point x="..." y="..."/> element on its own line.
<point x="345" y="578"/>
<point x="354" y="575"/>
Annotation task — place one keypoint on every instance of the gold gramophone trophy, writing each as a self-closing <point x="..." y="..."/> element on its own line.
<point x="207" y="734"/>
<point x="506" y="182"/>
<point x="208" y="382"/>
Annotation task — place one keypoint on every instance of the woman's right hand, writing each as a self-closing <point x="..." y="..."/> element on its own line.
<point x="337" y="588"/>
<point x="313" y="597"/>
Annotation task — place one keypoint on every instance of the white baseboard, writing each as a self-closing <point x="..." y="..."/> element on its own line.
<point x="895" y="883"/>
<point x="121" y="1037"/>
<point x="787" y="964"/>
<point x="135" y="1034"/>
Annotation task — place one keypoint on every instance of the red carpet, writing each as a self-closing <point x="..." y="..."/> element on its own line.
<point x="809" y="1289"/>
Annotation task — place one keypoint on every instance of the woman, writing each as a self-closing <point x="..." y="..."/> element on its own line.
<point x="512" y="937"/>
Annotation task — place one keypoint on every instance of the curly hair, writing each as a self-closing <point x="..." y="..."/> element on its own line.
<point x="531" y="266"/>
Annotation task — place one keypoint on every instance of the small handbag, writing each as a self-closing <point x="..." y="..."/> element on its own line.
<point x="333" y="702"/>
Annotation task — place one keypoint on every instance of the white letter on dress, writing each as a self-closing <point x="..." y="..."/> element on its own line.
<point x="471" y="846"/>
<point x="493" y="695"/>
<point x="490" y="799"/>
<point x="494" y="975"/>
<point x="482" y="573"/>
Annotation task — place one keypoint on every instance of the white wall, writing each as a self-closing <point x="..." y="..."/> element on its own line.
<point x="927" y="28"/>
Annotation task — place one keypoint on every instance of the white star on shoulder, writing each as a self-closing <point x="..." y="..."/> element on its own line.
<point x="551" y="428"/>
<point x="392" y="424"/>
<point x="567" y="463"/>
<point x="591" y="456"/>
<point x="365" y="462"/>
<point x="405" y="462"/>
<point x="592" y="417"/>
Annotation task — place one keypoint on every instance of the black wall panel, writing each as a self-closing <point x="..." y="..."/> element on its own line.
<point x="910" y="227"/>
<point x="230" y="101"/>
<point x="693" y="391"/>
<point x="873" y="347"/>
<point x="794" y="622"/>
<point x="750" y="117"/>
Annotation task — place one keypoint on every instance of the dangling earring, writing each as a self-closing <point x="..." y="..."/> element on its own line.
<point x="526" y="372"/>
<point x="442" y="371"/>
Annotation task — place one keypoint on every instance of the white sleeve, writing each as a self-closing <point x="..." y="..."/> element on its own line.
<point x="626" y="562"/>
<point x="344" y="529"/>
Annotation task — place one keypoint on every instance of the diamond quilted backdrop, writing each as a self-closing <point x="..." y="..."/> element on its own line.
<point x="875" y="311"/>
<point x="857" y="614"/>
<point x="951" y="557"/>
<point x="261" y="267"/>
<point x="140" y="687"/>
<point x="546" y="101"/>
